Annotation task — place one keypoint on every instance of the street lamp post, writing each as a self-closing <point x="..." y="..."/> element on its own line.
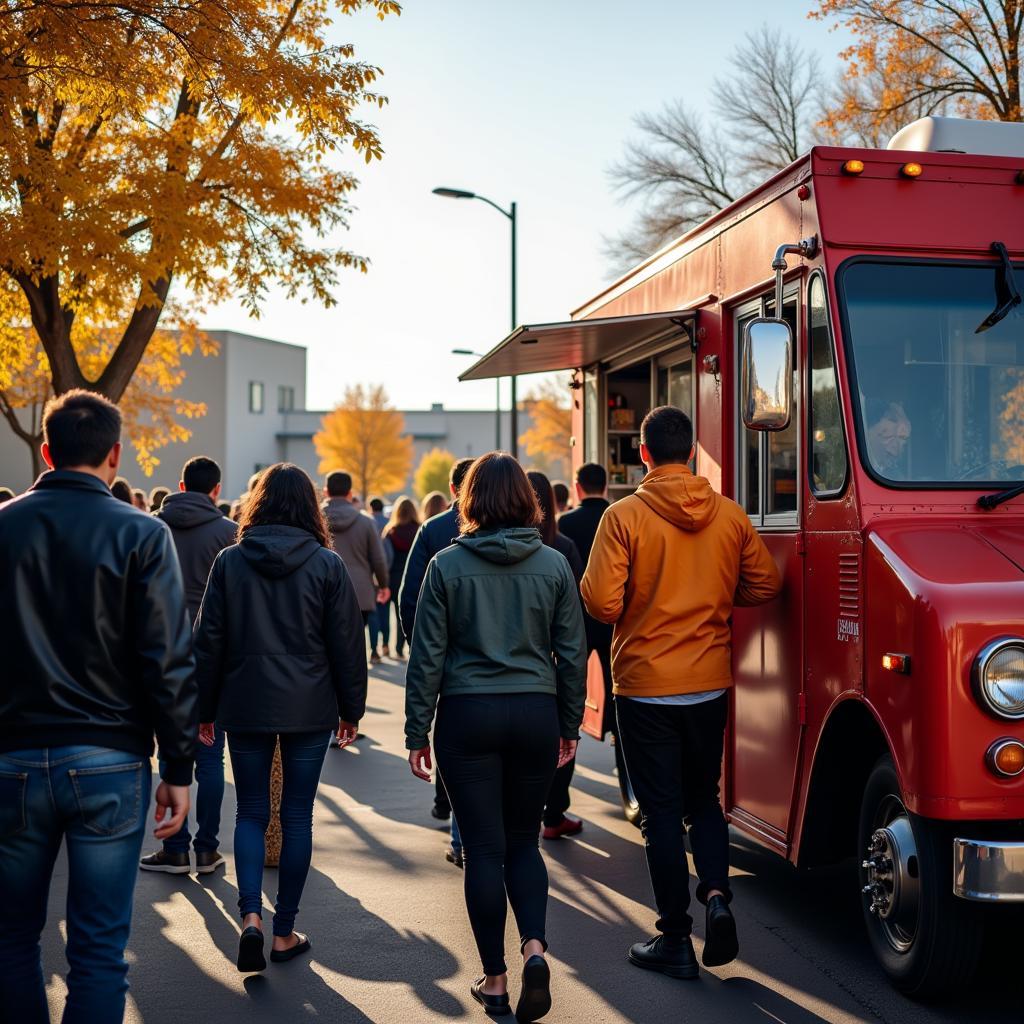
<point x="458" y="193"/>
<point x="497" y="396"/>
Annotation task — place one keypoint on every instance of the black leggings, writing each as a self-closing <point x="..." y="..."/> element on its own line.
<point x="497" y="754"/>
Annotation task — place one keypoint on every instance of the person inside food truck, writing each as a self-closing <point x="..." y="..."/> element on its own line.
<point x="887" y="434"/>
<point x="671" y="672"/>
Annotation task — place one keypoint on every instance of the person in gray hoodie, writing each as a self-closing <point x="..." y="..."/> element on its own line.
<point x="200" y="532"/>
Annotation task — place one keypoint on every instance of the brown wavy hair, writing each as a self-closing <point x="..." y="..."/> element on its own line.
<point x="404" y="511"/>
<point x="284" y="495"/>
<point x="496" y="494"/>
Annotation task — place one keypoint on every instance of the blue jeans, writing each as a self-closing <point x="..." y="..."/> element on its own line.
<point x="456" y="835"/>
<point x="380" y="625"/>
<point x="95" y="800"/>
<point x="302" y="757"/>
<point x="209" y="797"/>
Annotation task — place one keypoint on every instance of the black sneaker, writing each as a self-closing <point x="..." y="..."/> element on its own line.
<point x="720" y="943"/>
<point x="674" y="957"/>
<point x="168" y="863"/>
<point x="441" y="813"/>
<point x="207" y="861"/>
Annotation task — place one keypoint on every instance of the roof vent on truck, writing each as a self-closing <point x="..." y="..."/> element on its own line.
<point x="961" y="135"/>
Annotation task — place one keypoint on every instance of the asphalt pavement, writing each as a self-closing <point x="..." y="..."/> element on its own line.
<point x="391" y="940"/>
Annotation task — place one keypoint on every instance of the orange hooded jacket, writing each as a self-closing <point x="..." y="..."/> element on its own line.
<point x="667" y="567"/>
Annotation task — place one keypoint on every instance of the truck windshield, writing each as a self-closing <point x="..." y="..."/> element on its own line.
<point x="937" y="403"/>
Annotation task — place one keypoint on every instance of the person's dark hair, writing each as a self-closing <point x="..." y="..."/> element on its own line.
<point x="458" y="473"/>
<point x="496" y="494"/>
<point x="668" y="434"/>
<point x="284" y="495"/>
<point x="122" y="490"/>
<point x="156" y="498"/>
<point x="376" y="505"/>
<point x="338" y="484"/>
<point x="592" y="478"/>
<point x="545" y="492"/>
<point x="6" y="494"/>
<point x="200" y="474"/>
<point x="878" y="409"/>
<point x="225" y="508"/>
<point x="80" y="427"/>
<point x="561" y="492"/>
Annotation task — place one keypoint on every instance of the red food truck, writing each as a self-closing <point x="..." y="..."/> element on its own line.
<point x="849" y="341"/>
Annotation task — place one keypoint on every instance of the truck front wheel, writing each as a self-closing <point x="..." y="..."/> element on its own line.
<point x="926" y="939"/>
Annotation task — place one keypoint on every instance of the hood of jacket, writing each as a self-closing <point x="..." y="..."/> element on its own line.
<point x="185" y="510"/>
<point x="277" y="551"/>
<point x="677" y="495"/>
<point x="341" y="514"/>
<point x="503" y="547"/>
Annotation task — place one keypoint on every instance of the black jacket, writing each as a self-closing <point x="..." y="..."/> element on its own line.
<point x="279" y="640"/>
<point x="200" y="532"/>
<point x="580" y="526"/>
<point x="93" y="626"/>
<point x="434" y="535"/>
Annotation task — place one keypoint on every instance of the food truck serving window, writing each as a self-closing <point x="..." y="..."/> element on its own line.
<point x="937" y="402"/>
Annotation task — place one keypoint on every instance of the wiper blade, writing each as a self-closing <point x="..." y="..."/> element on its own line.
<point x="1007" y="293"/>
<point x="990" y="501"/>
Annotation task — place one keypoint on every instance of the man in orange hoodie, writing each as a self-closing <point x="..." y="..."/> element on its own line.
<point x="667" y="567"/>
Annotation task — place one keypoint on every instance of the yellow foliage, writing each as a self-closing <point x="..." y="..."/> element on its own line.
<point x="433" y="472"/>
<point x="546" y="442"/>
<point x="364" y="436"/>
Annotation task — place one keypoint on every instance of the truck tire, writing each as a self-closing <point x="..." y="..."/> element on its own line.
<point x="926" y="940"/>
<point x="630" y="808"/>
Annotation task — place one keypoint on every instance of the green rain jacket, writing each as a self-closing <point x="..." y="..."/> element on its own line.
<point x="498" y="613"/>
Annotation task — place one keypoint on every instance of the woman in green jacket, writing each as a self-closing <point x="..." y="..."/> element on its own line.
<point x="499" y="639"/>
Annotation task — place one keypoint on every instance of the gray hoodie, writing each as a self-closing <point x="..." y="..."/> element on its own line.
<point x="355" y="537"/>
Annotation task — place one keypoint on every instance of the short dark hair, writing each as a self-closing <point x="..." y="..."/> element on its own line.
<point x="200" y="474"/>
<point x="377" y="504"/>
<point x="458" y="473"/>
<point x="560" y="489"/>
<point x="668" y="434"/>
<point x="592" y="478"/>
<point x="122" y="490"/>
<point x="284" y="495"/>
<point x="225" y="508"/>
<point x="338" y="484"/>
<point x="156" y="498"/>
<point x="80" y="427"/>
<point x="496" y="493"/>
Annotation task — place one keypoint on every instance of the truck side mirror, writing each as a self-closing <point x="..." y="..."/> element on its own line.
<point x="766" y="374"/>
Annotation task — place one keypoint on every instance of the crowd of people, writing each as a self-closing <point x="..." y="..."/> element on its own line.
<point x="250" y="627"/>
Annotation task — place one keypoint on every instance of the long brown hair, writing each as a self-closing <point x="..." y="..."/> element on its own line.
<point x="496" y="494"/>
<point x="546" y="499"/>
<point x="284" y="496"/>
<point x="403" y="511"/>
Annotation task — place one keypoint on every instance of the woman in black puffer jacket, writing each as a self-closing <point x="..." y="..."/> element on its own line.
<point x="280" y="651"/>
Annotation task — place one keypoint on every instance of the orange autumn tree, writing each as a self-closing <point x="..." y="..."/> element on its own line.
<point x="365" y="436"/>
<point x="154" y="144"/>
<point x="433" y="472"/>
<point x="547" y="440"/>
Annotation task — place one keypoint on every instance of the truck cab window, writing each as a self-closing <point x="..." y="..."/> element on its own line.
<point x="828" y="462"/>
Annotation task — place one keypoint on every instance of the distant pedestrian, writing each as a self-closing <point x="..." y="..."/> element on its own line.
<point x="156" y="498"/>
<point x="97" y="658"/>
<point x="557" y="824"/>
<point x="399" y="535"/>
<point x="499" y="639"/>
<point x="200" y="533"/>
<point x="139" y="499"/>
<point x="433" y="504"/>
<point x="380" y="618"/>
<point x="561" y="492"/>
<point x="671" y="666"/>
<point x="292" y="666"/>
<point x="122" y="490"/>
<point x="224" y="508"/>
<point x="6" y="494"/>
<point x="355" y="537"/>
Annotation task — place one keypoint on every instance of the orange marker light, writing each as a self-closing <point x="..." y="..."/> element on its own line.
<point x="1006" y="757"/>
<point x="896" y="663"/>
<point x="853" y="167"/>
<point x="911" y="170"/>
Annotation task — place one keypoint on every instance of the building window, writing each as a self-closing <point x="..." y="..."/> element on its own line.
<point x="255" y="396"/>
<point x="285" y="398"/>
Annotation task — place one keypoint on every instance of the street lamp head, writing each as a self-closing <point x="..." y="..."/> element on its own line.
<point x="454" y="193"/>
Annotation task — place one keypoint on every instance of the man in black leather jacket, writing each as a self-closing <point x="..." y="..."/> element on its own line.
<point x="97" y="658"/>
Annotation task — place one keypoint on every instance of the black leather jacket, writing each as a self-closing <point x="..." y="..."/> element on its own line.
<point x="93" y="627"/>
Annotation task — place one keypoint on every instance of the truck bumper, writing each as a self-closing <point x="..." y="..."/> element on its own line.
<point x="988" y="872"/>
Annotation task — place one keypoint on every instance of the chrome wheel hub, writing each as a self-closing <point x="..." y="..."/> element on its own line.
<point x="891" y="877"/>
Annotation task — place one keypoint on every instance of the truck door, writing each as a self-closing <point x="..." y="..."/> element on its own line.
<point x="768" y="641"/>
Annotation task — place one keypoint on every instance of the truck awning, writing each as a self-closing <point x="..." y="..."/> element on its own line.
<point x="573" y="344"/>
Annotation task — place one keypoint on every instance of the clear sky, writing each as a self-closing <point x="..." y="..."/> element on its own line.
<point x="526" y="100"/>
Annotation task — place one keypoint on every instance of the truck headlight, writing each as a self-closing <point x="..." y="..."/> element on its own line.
<point x="998" y="677"/>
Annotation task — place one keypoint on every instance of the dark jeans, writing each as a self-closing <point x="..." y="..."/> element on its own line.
<point x="497" y="753"/>
<point x="209" y="797"/>
<point x="95" y="800"/>
<point x="674" y="758"/>
<point x="302" y="757"/>
<point x="380" y="625"/>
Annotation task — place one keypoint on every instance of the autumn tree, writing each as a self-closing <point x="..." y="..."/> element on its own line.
<point x="154" y="144"/>
<point x="365" y="436"/>
<point x="433" y="472"/>
<point x="546" y="442"/>
<point x="915" y="57"/>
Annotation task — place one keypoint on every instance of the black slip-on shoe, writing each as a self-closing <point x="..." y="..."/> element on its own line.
<point x="282" y="956"/>
<point x="720" y="943"/>
<point x="441" y="813"/>
<point x="168" y="863"/>
<point x="674" y="957"/>
<point x="494" y="1006"/>
<point x="535" y="998"/>
<point x="250" y="951"/>
<point x="207" y="861"/>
